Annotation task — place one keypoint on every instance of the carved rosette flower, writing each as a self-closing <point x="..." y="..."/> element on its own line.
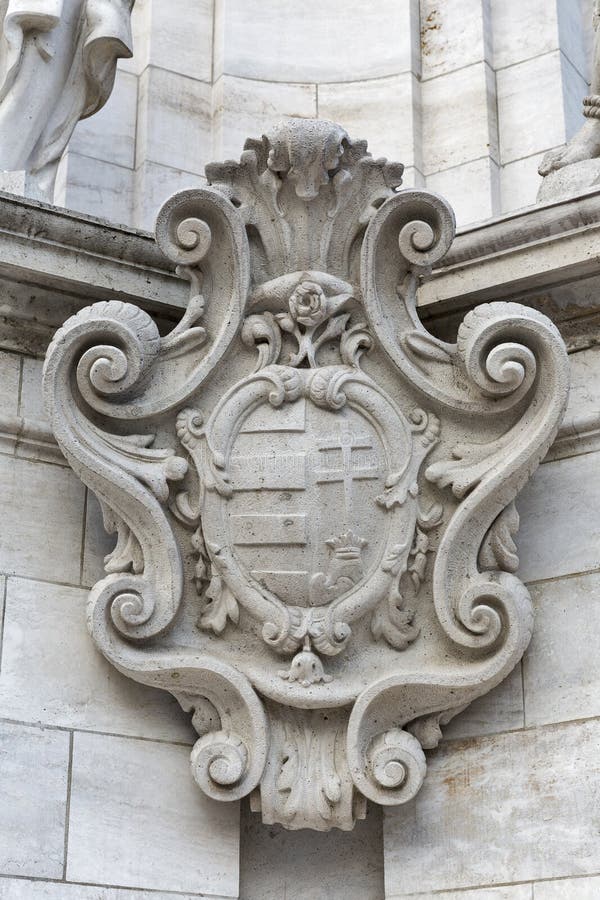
<point x="308" y="304"/>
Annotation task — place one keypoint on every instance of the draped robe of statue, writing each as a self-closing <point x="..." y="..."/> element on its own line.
<point x="575" y="157"/>
<point x="57" y="65"/>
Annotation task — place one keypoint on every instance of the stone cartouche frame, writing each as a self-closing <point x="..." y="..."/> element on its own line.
<point x="312" y="496"/>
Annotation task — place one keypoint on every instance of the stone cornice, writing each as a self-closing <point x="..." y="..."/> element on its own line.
<point x="535" y="248"/>
<point x="28" y="438"/>
<point x="89" y="258"/>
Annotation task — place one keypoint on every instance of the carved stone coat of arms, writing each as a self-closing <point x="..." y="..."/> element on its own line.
<point x="312" y="496"/>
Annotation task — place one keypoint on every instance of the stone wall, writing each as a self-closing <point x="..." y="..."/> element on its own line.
<point x="468" y="94"/>
<point x="95" y="769"/>
<point x="98" y="802"/>
<point x="96" y="796"/>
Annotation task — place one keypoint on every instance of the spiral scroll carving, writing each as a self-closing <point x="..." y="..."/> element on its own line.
<point x="397" y="767"/>
<point x="415" y="238"/>
<point x="181" y="234"/>
<point x="127" y="345"/>
<point x="487" y="609"/>
<point x="219" y="762"/>
<point x="506" y="349"/>
<point x="424" y="224"/>
<point x="127" y="476"/>
<point x="493" y="346"/>
<point x="131" y="608"/>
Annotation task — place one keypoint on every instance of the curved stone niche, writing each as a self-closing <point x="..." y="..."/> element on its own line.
<point x="312" y="495"/>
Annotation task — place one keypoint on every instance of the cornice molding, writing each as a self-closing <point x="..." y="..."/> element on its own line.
<point x="84" y="257"/>
<point x="28" y="437"/>
<point x="508" y="257"/>
<point x="517" y="254"/>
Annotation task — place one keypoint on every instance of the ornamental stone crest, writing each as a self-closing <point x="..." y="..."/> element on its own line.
<point x="312" y="496"/>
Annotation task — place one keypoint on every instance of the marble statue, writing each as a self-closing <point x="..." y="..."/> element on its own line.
<point x="312" y="496"/>
<point x="576" y="166"/>
<point x="57" y="65"/>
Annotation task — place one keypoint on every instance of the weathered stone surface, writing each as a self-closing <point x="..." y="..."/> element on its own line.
<point x="110" y="135"/>
<point x="574" y="168"/>
<point x="33" y="786"/>
<point x="50" y="674"/>
<point x="349" y="39"/>
<point x="535" y="261"/>
<point x="98" y="544"/>
<point x="500" y="710"/>
<point x="454" y="34"/>
<point x="584" y="390"/>
<point x="135" y="822"/>
<point x="362" y="107"/>
<point x="561" y="677"/>
<point x="36" y="541"/>
<point x="522" y="31"/>
<point x="515" y="892"/>
<point x="317" y="866"/>
<point x="154" y="184"/>
<point x="513" y="807"/>
<point x="574" y="179"/>
<point x="95" y="187"/>
<point x="525" y="125"/>
<point x="31" y="398"/>
<point x="10" y="374"/>
<point x="473" y="188"/>
<point x="519" y="182"/>
<point x="319" y="49"/>
<point x="2" y="599"/>
<point x="244" y="106"/>
<point x="530" y="251"/>
<point x="75" y="255"/>
<point x="327" y="576"/>
<point x="459" y="121"/>
<point x="22" y="889"/>
<point x="174" y="118"/>
<point x="559" y="492"/>
<point x="567" y="889"/>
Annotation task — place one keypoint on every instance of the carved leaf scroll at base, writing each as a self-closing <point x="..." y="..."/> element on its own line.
<point x="312" y="496"/>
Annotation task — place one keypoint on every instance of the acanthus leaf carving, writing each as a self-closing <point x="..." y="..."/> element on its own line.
<point x="498" y="550"/>
<point x="313" y="497"/>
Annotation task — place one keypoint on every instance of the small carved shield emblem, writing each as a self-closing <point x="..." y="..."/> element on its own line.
<point x="305" y="482"/>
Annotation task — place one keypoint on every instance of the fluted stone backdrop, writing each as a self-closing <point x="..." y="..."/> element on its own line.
<point x="468" y="94"/>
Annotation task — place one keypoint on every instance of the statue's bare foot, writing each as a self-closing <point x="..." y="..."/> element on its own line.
<point x="584" y="145"/>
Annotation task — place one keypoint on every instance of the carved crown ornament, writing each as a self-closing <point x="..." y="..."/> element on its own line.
<point x="312" y="496"/>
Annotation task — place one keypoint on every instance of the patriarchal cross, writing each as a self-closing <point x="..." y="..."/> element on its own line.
<point x="347" y="472"/>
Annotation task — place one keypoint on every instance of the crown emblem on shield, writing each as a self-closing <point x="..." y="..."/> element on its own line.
<point x="312" y="495"/>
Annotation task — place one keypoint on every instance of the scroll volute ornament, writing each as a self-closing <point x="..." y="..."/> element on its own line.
<point x="312" y="495"/>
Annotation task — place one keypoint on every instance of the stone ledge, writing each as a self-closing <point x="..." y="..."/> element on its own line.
<point x="91" y="258"/>
<point x="29" y="438"/>
<point x="539" y="247"/>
